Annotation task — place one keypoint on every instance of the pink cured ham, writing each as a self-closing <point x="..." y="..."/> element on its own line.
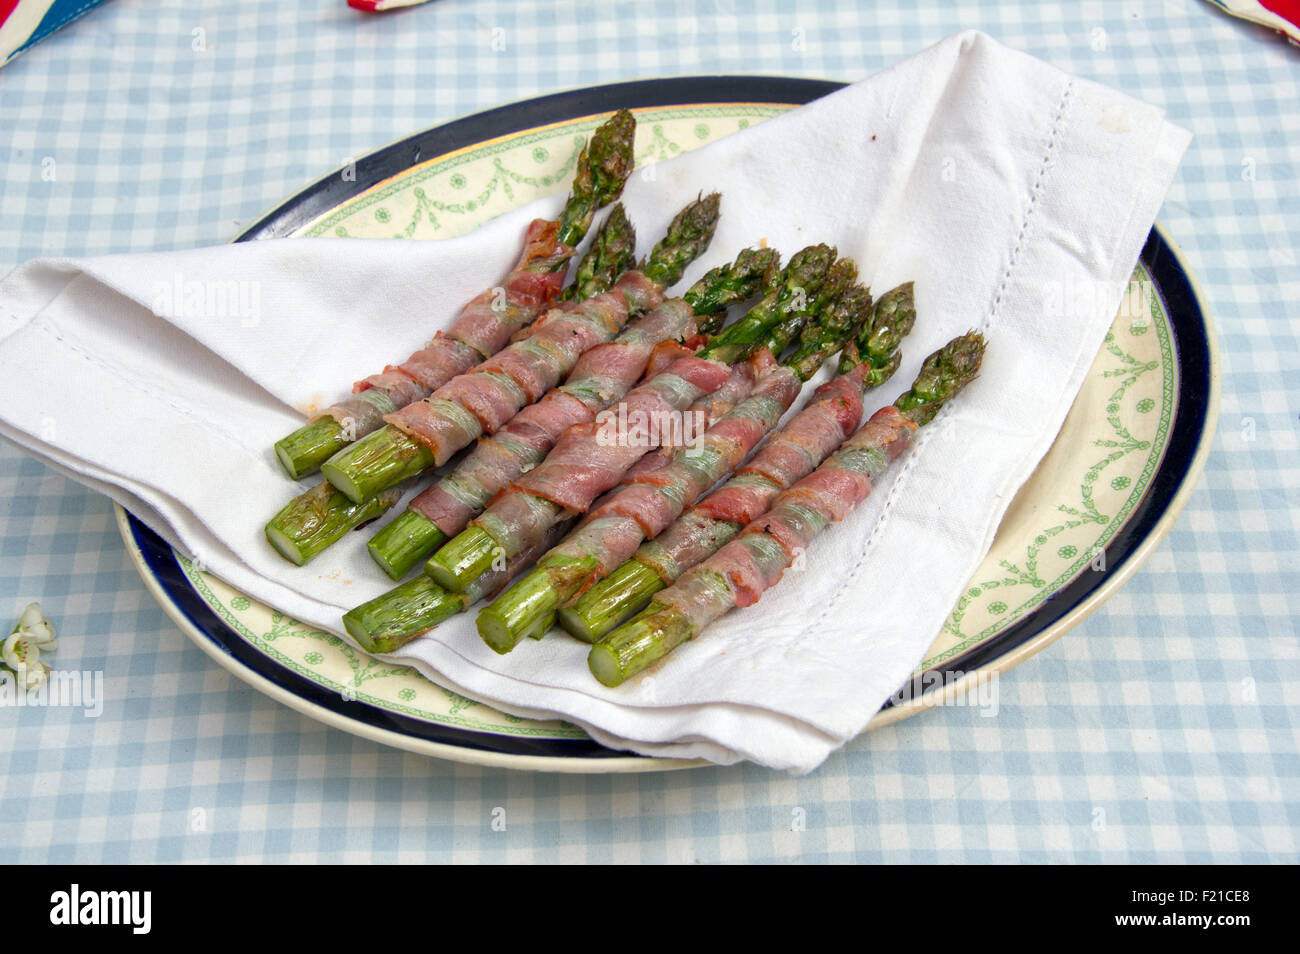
<point x="601" y="377"/>
<point x="664" y="354"/>
<point x="459" y="496"/>
<point x="815" y="432"/>
<point x="712" y="407"/>
<point x="433" y="365"/>
<point x="481" y="329"/>
<point x="790" y="454"/>
<point x="364" y="412"/>
<point x="583" y="465"/>
<point x="484" y="399"/>
<point x="585" y="462"/>
<point x="739" y="573"/>
<point x="488" y="322"/>
<point x="647" y="505"/>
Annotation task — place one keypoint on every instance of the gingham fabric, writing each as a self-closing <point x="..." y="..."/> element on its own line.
<point x="1162" y="729"/>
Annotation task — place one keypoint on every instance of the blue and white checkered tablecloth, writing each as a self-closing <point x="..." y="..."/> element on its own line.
<point x="1165" y="728"/>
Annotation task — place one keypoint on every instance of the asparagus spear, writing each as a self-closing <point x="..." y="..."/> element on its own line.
<point x="641" y="509"/>
<point x="429" y="433"/>
<point x="739" y="573"/>
<point x="515" y="515"/>
<point x="417" y="533"/>
<point x="790" y="455"/>
<point x="603" y="166"/>
<point x="322" y="515"/>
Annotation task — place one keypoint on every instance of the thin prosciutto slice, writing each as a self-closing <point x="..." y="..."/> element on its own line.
<point x="601" y="378"/>
<point x="483" y="328"/>
<point x="648" y="504"/>
<point x="791" y="454"/>
<point x="739" y="573"/>
<point x="482" y="400"/>
<point x="585" y="462"/>
<point x="711" y="408"/>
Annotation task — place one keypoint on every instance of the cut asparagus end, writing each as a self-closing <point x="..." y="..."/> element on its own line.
<point x="621" y="594"/>
<point x="463" y="560"/>
<point x="631" y="648"/>
<point x="302" y="452"/>
<point x="401" y="545"/>
<point x="636" y="645"/>
<point x="531" y="602"/>
<point x="376" y="462"/>
<point x="393" y="619"/>
<point x="495" y="631"/>
<point x="286" y="546"/>
<point x="317" y="518"/>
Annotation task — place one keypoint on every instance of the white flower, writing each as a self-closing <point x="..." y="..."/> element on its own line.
<point x="19" y="650"/>
<point x="33" y="677"/>
<point x="34" y="625"/>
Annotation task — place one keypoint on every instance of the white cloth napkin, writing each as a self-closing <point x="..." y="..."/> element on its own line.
<point x="987" y="177"/>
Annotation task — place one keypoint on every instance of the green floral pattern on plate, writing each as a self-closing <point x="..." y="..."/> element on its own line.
<point x="1084" y="490"/>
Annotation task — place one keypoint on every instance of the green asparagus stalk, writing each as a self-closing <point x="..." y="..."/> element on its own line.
<point x="389" y="454"/>
<point x="701" y="531"/>
<point x="612" y="252"/>
<point x="613" y="533"/>
<point x="794" y="291"/>
<point x="376" y="462"/>
<point x="709" y="589"/>
<point x="834" y="324"/>
<point x="875" y="344"/>
<point x="314" y="519"/>
<point x="392" y="619"/>
<point x="302" y="452"/>
<point x="412" y="538"/>
<point x="602" y="168"/>
<point x="730" y="284"/>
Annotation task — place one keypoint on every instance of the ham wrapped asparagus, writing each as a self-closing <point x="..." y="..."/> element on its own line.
<point x="321" y="515"/>
<point x="487" y="323"/>
<point x="427" y="433"/>
<point x="645" y="506"/>
<point x="317" y="518"/>
<point x="523" y="516"/>
<point x="830" y="418"/>
<point x="601" y="378"/>
<point x="739" y="573"/>
<point x="585" y="462"/>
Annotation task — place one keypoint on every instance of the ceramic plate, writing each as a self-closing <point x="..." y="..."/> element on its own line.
<point x="1101" y="499"/>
